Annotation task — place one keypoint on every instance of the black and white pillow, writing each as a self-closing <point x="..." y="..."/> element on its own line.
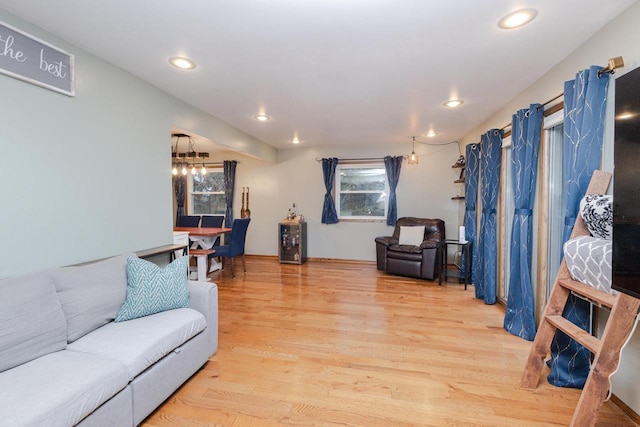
<point x="597" y="214"/>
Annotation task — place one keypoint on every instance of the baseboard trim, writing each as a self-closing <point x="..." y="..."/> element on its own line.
<point x="345" y="261"/>
<point x="262" y="256"/>
<point x="335" y="260"/>
<point x="625" y="408"/>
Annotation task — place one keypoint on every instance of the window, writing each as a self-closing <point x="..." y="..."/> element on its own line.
<point x="548" y="233"/>
<point x="206" y="193"/>
<point x="506" y="220"/>
<point x="362" y="191"/>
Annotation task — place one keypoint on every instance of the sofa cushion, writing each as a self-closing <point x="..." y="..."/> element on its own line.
<point x="139" y="343"/>
<point x="414" y="254"/>
<point x="411" y="235"/>
<point x="151" y="289"/>
<point x="32" y="323"/>
<point x="91" y="295"/>
<point x="407" y="249"/>
<point x="58" y="389"/>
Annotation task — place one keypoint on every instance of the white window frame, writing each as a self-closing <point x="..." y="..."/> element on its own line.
<point x="337" y="192"/>
<point x="547" y="253"/>
<point x="505" y="213"/>
<point x="190" y="193"/>
<point x="555" y="185"/>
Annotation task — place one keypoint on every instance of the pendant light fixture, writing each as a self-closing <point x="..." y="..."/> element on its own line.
<point x="180" y="162"/>
<point x="413" y="157"/>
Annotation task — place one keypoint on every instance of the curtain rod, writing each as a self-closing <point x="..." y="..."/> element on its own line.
<point x="361" y="159"/>
<point x="542" y="106"/>
<point x="221" y="163"/>
<point x="406" y="156"/>
<point x="613" y="64"/>
<point x="210" y="163"/>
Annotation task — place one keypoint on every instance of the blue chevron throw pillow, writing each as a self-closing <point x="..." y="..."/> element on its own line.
<point x="151" y="289"/>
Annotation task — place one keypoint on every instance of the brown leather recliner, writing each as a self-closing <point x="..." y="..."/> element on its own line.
<point x="422" y="261"/>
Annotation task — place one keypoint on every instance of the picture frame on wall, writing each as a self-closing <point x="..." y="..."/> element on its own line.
<point x="28" y="58"/>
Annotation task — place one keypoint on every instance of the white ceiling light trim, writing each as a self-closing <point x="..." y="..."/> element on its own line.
<point x="262" y="117"/>
<point x="453" y="103"/>
<point x="182" y="63"/>
<point x="517" y="18"/>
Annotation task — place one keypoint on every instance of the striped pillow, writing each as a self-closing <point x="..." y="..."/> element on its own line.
<point x="151" y="289"/>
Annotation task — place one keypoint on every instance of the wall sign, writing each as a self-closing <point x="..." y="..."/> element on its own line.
<point x="28" y="58"/>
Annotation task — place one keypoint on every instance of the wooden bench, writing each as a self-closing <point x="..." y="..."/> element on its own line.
<point x="201" y="256"/>
<point x="200" y="252"/>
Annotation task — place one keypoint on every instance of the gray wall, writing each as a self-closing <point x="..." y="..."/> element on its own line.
<point x="424" y="190"/>
<point x="88" y="177"/>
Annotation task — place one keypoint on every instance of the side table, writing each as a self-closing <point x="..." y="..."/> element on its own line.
<point x="467" y="253"/>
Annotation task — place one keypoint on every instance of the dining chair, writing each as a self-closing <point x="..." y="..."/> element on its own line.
<point x="188" y="221"/>
<point x="214" y="221"/>
<point x="235" y="247"/>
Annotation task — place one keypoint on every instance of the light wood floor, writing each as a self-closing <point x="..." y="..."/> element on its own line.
<point x="341" y="344"/>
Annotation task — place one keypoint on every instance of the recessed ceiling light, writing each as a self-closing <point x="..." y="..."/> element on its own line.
<point x="431" y="134"/>
<point x="182" y="63"/>
<point x="295" y="140"/>
<point x="262" y="117"/>
<point x="517" y="18"/>
<point x="452" y="103"/>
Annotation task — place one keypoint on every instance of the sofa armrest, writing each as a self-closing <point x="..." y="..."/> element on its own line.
<point x="203" y="297"/>
<point x="430" y="244"/>
<point x="386" y="240"/>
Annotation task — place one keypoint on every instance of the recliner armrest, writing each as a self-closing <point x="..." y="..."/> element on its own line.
<point x="430" y="244"/>
<point x="386" y="240"/>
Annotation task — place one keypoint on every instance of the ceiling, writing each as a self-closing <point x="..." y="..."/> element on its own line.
<point x="331" y="72"/>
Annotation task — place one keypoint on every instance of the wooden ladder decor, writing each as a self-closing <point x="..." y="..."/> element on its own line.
<point x="624" y="309"/>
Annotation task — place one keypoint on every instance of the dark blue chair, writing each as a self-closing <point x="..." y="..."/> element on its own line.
<point x="236" y="240"/>
<point x="214" y="221"/>
<point x="188" y="221"/>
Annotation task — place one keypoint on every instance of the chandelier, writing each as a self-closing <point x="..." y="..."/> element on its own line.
<point x="182" y="162"/>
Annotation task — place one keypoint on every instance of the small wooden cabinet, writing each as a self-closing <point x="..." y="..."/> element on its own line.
<point x="292" y="242"/>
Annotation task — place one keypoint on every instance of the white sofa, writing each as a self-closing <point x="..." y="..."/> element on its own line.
<point x="64" y="361"/>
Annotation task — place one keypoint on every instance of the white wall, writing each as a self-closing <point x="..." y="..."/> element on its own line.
<point x="424" y="190"/>
<point x="88" y="177"/>
<point x="618" y="38"/>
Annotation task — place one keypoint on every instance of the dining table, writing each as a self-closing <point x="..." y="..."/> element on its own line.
<point x="203" y="238"/>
